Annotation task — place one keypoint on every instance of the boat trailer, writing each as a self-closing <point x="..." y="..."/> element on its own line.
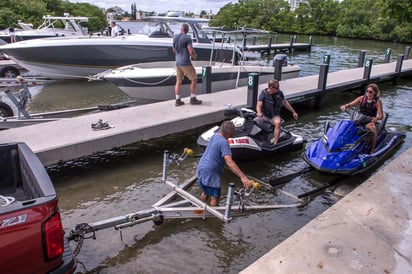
<point x="24" y="118"/>
<point x="189" y="207"/>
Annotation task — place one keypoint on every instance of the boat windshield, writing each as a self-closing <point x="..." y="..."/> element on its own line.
<point x="201" y="32"/>
<point x="156" y="29"/>
<point x="163" y="29"/>
<point x="25" y="26"/>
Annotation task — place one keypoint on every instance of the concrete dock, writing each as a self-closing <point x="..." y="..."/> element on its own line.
<point x="367" y="231"/>
<point x="72" y="138"/>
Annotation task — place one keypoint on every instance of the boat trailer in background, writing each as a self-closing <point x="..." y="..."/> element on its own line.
<point x="188" y="207"/>
<point x="19" y="100"/>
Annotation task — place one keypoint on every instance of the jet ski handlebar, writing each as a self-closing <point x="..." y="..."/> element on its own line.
<point x="242" y="112"/>
<point x="359" y="118"/>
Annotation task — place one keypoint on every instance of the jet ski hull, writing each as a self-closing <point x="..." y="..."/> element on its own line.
<point x="252" y="140"/>
<point x="344" y="149"/>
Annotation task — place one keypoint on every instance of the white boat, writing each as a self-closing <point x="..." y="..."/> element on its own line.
<point x="79" y="57"/>
<point x="158" y="83"/>
<point x="71" y="26"/>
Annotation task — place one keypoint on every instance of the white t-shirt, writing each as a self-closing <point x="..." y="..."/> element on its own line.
<point x="115" y="31"/>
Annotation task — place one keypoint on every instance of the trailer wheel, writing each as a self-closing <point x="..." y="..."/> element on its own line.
<point x="158" y="219"/>
<point x="5" y="110"/>
<point x="9" y="72"/>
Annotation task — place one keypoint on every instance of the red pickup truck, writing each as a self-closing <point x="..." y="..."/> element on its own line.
<point x="31" y="232"/>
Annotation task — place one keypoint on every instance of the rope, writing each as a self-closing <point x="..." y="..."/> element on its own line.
<point x="151" y="84"/>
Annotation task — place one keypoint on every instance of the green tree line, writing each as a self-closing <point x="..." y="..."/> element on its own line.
<point x="32" y="11"/>
<point x="389" y="20"/>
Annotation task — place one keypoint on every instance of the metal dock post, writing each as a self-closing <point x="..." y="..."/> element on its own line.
<point x="361" y="58"/>
<point x="206" y="79"/>
<point x="323" y="77"/>
<point x="387" y="55"/>
<point x="277" y="64"/>
<point x="252" y="89"/>
<point x="368" y="69"/>
<point x="407" y="50"/>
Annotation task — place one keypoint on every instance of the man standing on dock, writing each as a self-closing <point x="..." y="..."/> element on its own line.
<point x="183" y="48"/>
<point x="269" y="103"/>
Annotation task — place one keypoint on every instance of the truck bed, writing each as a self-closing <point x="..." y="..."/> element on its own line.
<point x="23" y="177"/>
<point x="31" y="230"/>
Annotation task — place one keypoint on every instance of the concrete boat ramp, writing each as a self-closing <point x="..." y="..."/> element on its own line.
<point x="368" y="231"/>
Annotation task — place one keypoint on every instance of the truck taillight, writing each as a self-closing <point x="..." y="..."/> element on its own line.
<point x="53" y="237"/>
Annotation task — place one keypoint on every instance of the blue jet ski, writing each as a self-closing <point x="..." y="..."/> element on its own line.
<point x="252" y="138"/>
<point x="344" y="147"/>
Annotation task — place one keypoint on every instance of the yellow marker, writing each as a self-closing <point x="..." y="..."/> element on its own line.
<point x="188" y="151"/>
<point x="255" y="185"/>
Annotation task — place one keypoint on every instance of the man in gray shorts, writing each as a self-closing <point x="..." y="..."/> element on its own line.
<point x="183" y="48"/>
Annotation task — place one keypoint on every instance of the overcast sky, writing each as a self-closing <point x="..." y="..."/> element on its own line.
<point x="162" y="5"/>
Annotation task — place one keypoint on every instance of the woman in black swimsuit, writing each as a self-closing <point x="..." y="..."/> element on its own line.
<point x="370" y="105"/>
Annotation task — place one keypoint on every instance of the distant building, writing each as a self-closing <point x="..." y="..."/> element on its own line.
<point x="176" y="13"/>
<point x="142" y="14"/>
<point x="295" y="3"/>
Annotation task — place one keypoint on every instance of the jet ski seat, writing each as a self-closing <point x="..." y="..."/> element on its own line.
<point x="380" y="125"/>
<point x="265" y="125"/>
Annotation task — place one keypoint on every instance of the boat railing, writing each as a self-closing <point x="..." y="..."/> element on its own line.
<point x="69" y="22"/>
<point x="236" y="40"/>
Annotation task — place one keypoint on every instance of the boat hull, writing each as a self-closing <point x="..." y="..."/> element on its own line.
<point x="158" y="84"/>
<point x="65" y="58"/>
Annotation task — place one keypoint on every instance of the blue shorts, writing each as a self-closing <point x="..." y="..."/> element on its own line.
<point x="209" y="191"/>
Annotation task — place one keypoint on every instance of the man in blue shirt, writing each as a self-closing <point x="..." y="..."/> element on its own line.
<point x="212" y="162"/>
<point x="183" y="48"/>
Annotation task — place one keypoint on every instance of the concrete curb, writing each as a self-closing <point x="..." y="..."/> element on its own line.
<point x="367" y="231"/>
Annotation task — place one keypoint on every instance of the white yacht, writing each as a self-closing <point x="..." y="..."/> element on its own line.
<point x="52" y="26"/>
<point x="83" y="56"/>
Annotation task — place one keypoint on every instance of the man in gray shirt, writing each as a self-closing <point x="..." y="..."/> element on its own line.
<point x="183" y="48"/>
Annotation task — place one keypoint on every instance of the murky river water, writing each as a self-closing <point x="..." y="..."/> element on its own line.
<point x="127" y="180"/>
